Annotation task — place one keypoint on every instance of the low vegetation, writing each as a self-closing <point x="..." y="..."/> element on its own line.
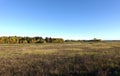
<point x="60" y="59"/>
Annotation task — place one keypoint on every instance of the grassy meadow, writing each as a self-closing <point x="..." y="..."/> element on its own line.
<point x="60" y="59"/>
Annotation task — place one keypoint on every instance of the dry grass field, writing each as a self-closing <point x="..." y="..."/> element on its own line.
<point x="63" y="59"/>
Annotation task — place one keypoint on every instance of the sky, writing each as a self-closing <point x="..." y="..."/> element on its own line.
<point x="68" y="19"/>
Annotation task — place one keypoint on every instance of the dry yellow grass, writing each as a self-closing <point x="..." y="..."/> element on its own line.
<point x="65" y="59"/>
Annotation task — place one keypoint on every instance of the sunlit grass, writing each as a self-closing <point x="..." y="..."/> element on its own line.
<point x="67" y="59"/>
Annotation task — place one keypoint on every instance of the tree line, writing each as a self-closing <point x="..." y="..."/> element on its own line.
<point x="92" y="40"/>
<point x="18" y="40"/>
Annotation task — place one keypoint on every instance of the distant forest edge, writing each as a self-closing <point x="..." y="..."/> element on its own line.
<point x="18" y="40"/>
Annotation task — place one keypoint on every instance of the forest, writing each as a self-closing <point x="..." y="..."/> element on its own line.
<point x="37" y="39"/>
<point x="17" y="39"/>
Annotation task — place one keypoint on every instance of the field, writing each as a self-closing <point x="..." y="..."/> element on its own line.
<point x="63" y="59"/>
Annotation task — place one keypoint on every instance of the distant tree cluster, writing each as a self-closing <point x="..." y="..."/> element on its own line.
<point x="54" y="40"/>
<point x="18" y="40"/>
<point x="93" y="40"/>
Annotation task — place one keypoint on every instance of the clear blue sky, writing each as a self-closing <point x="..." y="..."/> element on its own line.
<point x="69" y="19"/>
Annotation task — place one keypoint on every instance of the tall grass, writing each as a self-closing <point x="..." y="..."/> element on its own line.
<point x="67" y="59"/>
